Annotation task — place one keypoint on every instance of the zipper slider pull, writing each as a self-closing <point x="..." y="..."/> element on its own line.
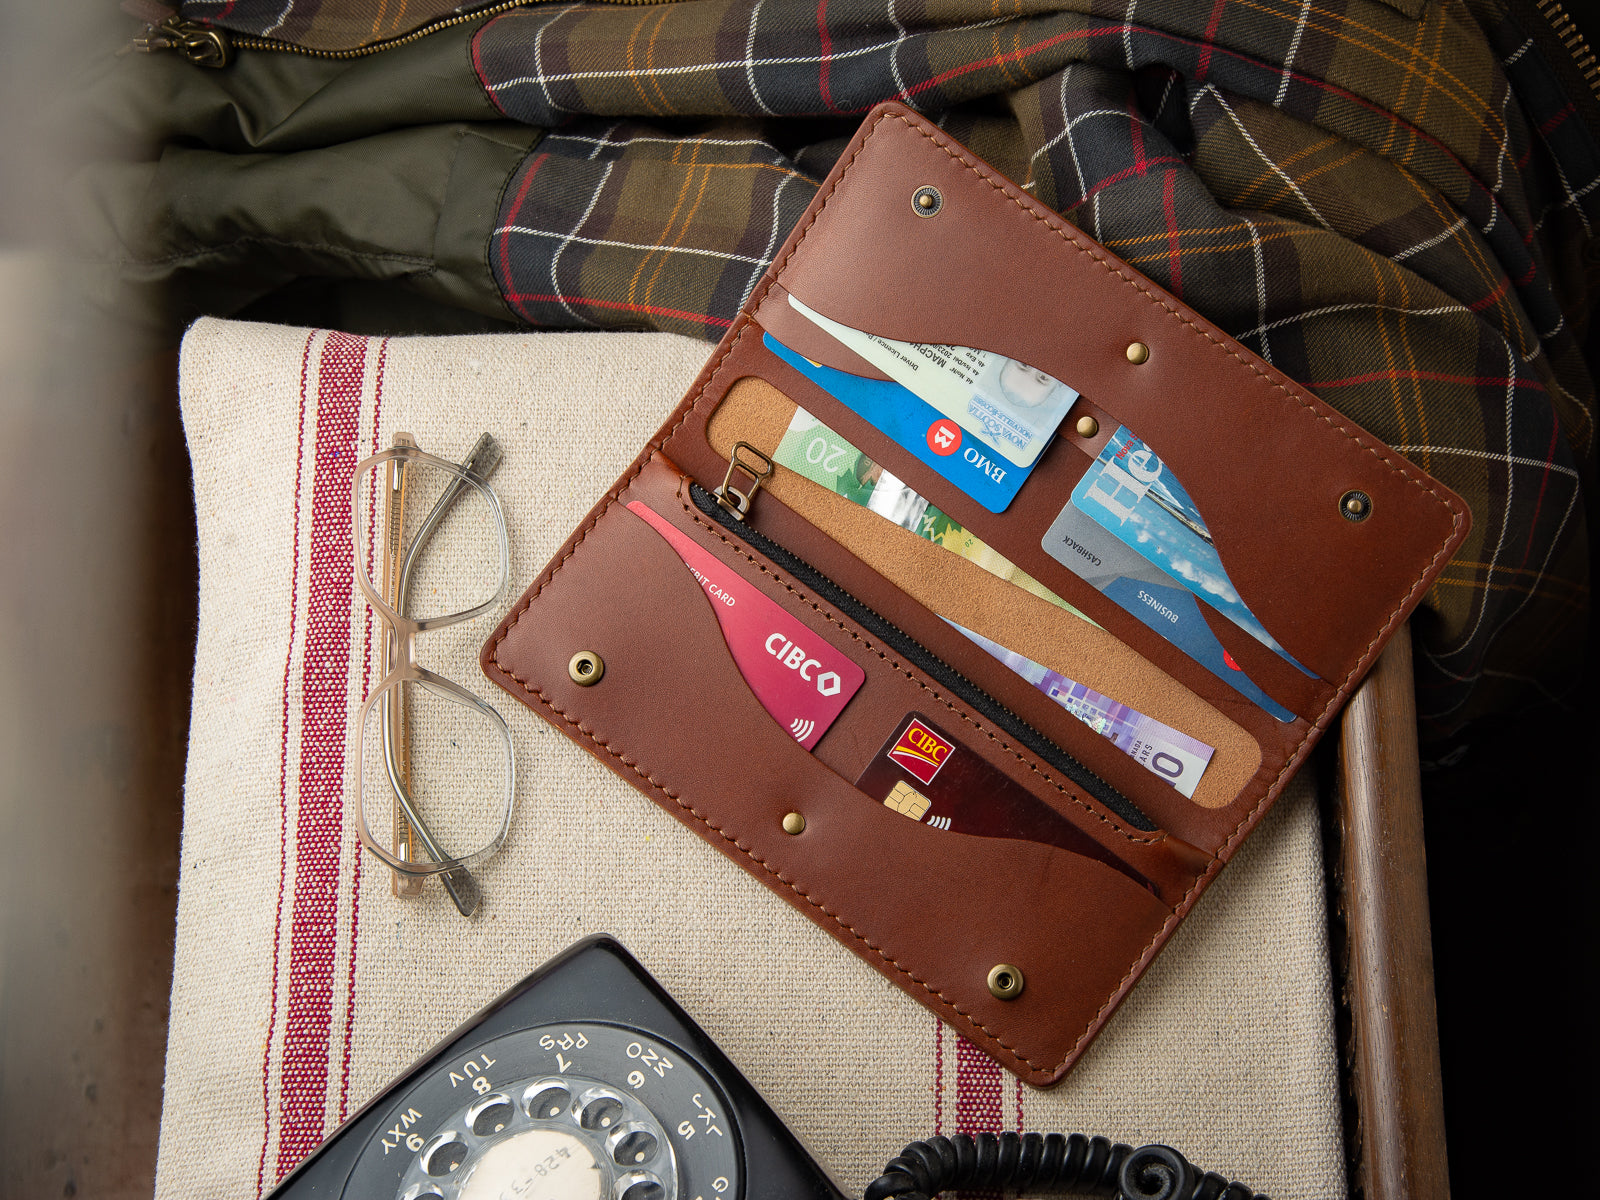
<point x="731" y="498"/>
<point x="199" y="44"/>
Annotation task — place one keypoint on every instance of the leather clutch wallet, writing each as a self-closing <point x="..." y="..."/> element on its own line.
<point x="1116" y="666"/>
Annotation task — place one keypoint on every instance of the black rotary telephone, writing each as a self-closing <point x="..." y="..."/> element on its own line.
<point x="586" y="1081"/>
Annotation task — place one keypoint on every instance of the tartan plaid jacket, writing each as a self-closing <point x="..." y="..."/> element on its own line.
<point x="1393" y="201"/>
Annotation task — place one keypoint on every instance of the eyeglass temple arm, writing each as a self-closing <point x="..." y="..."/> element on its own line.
<point x="458" y="881"/>
<point x="485" y="457"/>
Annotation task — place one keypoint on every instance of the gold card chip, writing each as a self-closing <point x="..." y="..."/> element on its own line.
<point x="907" y="801"/>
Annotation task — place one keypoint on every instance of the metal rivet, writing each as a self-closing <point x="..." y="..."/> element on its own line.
<point x="1138" y="353"/>
<point x="1005" y="982"/>
<point x="926" y="201"/>
<point x="586" y="667"/>
<point x="1355" y="506"/>
<point x="1088" y="427"/>
<point x="794" y="823"/>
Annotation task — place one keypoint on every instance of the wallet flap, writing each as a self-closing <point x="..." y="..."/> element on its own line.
<point x="1266" y="462"/>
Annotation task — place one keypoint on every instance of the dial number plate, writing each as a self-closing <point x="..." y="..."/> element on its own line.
<point x="577" y="1109"/>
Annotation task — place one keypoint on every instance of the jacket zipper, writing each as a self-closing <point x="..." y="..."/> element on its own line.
<point x="211" y="46"/>
<point x="928" y="662"/>
<point x="1573" y="41"/>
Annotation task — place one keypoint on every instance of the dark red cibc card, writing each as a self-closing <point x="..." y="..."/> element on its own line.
<point x="926" y="775"/>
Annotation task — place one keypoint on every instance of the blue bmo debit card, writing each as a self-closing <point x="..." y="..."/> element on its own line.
<point x="918" y="427"/>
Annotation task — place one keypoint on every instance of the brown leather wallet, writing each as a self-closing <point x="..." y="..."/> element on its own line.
<point x="1329" y="536"/>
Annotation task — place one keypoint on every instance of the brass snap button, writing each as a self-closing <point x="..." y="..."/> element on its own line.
<point x="1005" y="982"/>
<point x="793" y="823"/>
<point x="1138" y="353"/>
<point x="1355" y="506"/>
<point x="1088" y="427"/>
<point x="585" y="668"/>
<point x="926" y="201"/>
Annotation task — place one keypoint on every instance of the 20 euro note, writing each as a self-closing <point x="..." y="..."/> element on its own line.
<point x="810" y="449"/>
<point x="1165" y="752"/>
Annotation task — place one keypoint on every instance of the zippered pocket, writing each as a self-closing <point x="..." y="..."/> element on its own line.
<point x="210" y="43"/>
<point x="925" y="660"/>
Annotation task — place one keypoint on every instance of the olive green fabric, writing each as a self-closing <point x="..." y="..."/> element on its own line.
<point x="383" y="171"/>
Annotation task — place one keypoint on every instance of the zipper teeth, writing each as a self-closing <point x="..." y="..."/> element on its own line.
<point x="1572" y="38"/>
<point x="939" y="669"/>
<point x="244" y="41"/>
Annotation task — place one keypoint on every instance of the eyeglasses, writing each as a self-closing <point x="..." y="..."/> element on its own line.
<point x="434" y="767"/>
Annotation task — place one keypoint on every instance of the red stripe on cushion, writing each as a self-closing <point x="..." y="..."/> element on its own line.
<point x="366" y="686"/>
<point x="319" y="823"/>
<point x="978" y="1095"/>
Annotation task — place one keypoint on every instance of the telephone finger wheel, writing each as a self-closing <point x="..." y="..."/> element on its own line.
<point x="577" y="1111"/>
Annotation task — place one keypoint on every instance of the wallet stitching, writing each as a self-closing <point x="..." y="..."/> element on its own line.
<point x="714" y="370"/>
<point x="896" y="665"/>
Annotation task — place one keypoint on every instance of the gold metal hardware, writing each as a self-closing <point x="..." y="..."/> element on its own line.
<point x="1138" y="353"/>
<point x="1005" y="982"/>
<point x="201" y="45"/>
<point x="1355" y="506"/>
<point x="926" y="201"/>
<point x="586" y="668"/>
<point x="731" y="498"/>
<point x="793" y="823"/>
<point x="1088" y="427"/>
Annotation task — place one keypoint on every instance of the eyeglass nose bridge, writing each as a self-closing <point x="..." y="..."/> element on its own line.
<point x="403" y="661"/>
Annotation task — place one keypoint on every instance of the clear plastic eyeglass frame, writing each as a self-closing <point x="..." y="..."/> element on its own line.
<point x="405" y="630"/>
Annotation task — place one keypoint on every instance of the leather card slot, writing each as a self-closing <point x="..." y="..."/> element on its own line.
<point x="1019" y="535"/>
<point x="933" y="910"/>
<point x="1259" y="455"/>
<point x="904" y="686"/>
<point x="937" y="581"/>
<point x="1020" y="531"/>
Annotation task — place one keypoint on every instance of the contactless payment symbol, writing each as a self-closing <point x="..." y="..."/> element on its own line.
<point x="944" y="436"/>
<point x="921" y="751"/>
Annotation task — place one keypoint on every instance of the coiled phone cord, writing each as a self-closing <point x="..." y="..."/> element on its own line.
<point x="1035" y="1163"/>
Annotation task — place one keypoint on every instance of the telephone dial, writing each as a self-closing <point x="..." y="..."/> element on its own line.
<point x="586" y="1081"/>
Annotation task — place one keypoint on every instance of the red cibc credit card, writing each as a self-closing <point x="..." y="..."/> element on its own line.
<point x="925" y="774"/>
<point x="801" y="680"/>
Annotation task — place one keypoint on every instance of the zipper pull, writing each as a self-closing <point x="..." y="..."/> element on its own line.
<point x="731" y="498"/>
<point x="199" y="44"/>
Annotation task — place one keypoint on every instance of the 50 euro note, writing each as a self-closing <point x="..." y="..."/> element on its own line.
<point x="809" y="448"/>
